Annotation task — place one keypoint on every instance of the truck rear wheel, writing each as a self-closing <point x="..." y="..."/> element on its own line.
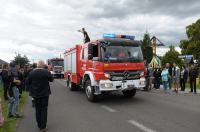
<point x="71" y="85"/>
<point x="129" y="93"/>
<point x="89" y="91"/>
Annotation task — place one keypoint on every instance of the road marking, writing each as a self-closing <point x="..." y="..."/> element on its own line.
<point x="108" y="109"/>
<point x="140" y="126"/>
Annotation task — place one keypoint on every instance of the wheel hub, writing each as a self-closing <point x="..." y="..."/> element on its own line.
<point x="88" y="91"/>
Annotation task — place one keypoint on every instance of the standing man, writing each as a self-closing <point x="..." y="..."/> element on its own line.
<point x="150" y="76"/>
<point x="5" y="80"/>
<point x="13" y="92"/>
<point x="193" y="74"/>
<point x="175" y="77"/>
<point x="40" y="90"/>
<point x="20" y="75"/>
<point x="157" y="77"/>
<point x="183" y="77"/>
<point x="85" y="34"/>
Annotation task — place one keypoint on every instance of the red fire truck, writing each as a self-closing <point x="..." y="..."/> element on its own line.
<point x="114" y="63"/>
<point x="56" y="67"/>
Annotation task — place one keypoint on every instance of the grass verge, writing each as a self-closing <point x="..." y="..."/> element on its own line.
<point x="10" y="124"/>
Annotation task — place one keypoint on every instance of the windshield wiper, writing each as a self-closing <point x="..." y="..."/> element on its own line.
<point x="107" y="59"/>
<point x="133" y="59"/>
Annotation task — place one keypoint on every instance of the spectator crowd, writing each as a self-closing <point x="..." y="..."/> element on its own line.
<point x="34" y="79"/>
<point x="14" y="80"/>
<point x="173" y="77"/>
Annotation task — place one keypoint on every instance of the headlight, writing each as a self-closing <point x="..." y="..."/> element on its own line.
<point x="52" y="72"/>
<point x="107" y="75"/>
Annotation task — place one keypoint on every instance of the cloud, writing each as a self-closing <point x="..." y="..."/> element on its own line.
<point x="44" y="29"/>
<point x="162" y="50"/>
<point x="124" y="8"/>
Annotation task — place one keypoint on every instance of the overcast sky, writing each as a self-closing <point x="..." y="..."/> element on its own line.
<point x="42" y="29"/>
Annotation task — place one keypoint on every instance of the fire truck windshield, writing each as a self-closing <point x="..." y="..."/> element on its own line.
<point x="57" y="63"/>
<point x="121" y="53"/>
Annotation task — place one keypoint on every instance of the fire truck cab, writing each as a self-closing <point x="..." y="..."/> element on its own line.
<point x="114" y="63"/>
<point x="56" y="67"/>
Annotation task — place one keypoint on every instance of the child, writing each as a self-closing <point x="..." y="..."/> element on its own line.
<point x="165" y="76"/>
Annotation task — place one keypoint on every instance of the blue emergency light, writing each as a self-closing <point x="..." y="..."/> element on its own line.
<point x="118" y="36"/>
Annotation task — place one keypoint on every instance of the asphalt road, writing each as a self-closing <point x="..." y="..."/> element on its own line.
<point x="147" y="112"/>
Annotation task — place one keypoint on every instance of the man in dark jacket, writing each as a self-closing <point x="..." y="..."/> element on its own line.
<point x="5" y="80"/>
<point x="193" y="74"/>
<point x="157" y="76"/>
<point x="21" y="78"/>
<point x="39" y="80"/>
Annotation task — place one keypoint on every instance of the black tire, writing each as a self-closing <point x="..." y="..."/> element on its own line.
<point x="89" y="91"/>
<point x="71" y="85"/>
<point x="129" y="93"/>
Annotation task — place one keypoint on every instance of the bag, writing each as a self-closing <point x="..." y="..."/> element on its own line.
<point x="1" y="115"/>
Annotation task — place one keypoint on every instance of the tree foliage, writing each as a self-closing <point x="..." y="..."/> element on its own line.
<point x="192" y="44"/>
<point x="171" y="56"/>
<point x="146" y="48"/>
<point x="21" y="60"/>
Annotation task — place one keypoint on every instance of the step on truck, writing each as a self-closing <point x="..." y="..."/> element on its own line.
<point x="113" y="63"/>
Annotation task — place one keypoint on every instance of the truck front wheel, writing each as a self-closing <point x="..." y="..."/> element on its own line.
<point x="71" y="85"/>
<point x="129" y="93"/>
<point x="89" y="91"/>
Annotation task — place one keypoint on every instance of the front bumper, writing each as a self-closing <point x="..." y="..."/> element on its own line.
<point x="107" y="85"/>
<point x="57" y="75"/>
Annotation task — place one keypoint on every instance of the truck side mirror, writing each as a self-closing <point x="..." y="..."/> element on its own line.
<point x="90" y="51"/>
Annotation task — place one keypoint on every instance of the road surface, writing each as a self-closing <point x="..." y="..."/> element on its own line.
<point x="147" y="112"/>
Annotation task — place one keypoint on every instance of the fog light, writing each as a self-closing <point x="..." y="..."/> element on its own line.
<point x="107" y="85"/>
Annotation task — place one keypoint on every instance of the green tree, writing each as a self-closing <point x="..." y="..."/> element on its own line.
<point x="192" y="44"/>
<point x="21" y="60"/>
<point x="171" y="56"/>
<point x="146" y="48"/>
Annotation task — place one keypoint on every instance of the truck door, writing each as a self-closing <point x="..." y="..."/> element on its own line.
<point x="93" y="57"/>
<point x="84" y="57"/>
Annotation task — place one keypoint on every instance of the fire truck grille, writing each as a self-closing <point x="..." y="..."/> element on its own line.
<point x="124" y="75"/>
